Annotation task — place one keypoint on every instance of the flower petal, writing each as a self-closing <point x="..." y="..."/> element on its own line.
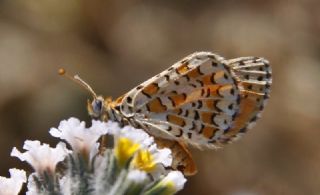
<point x="176" y="178"/>
<point x="11" y="186"/>
<point x="41" y="157"/>
<point x="80" y="138"/>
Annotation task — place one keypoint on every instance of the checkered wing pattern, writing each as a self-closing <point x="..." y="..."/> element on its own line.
<point x="195" y="100"/>
<point x="202" y="100"/>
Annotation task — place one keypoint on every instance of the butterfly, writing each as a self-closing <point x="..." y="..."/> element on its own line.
<point x="202" y="100"/>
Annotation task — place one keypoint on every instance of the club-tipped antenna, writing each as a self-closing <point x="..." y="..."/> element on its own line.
<point x="78" y="80"/>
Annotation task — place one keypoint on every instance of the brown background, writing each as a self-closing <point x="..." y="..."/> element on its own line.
<point x="115" y="45"/>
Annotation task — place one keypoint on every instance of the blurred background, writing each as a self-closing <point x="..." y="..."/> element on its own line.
<point x="115" y="45"/>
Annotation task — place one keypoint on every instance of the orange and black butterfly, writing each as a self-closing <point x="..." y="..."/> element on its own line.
<point x="202" y="100"/>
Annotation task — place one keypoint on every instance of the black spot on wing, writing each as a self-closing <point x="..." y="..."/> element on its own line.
<point x="129" y="100"/>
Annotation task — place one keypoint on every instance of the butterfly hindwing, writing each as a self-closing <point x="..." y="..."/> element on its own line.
<point x="253" y="77"/>
<point x="183" y="160"/>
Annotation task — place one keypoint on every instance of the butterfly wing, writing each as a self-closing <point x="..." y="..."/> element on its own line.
<point x="183" y="160"/>
<point x="202" y="100"/>
<point x="253" y="77"/>
<point x="194" y="101"/>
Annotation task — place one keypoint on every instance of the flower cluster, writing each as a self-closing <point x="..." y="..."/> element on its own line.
<point x="102" y="159"/>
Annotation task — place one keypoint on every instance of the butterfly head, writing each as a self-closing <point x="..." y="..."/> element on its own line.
<point x="98" y="107"/>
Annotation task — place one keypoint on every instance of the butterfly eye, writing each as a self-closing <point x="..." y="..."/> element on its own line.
<point x="97" y="107"/>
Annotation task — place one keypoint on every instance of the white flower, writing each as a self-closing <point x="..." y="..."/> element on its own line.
<point x="137" y="176"/>
<point x="12" y="186"/>
<point x="80" y="138"/>
<point x="67" y="185"/>
<point x="134" y="165"/>
<point x="41" y="157"/>
<point x="174" y="180"/>
<point x="32" y="187"/>
<point x="162" y="156"/>
<point x="135" y="135"/>
<point x="112" y="127"/>
<point x="138" y="145"/>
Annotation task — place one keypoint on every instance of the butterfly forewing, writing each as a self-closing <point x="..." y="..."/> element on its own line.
<point x="195" y="100"/>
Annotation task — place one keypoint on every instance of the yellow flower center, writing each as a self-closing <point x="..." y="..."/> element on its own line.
<point x="124" y="150"/>
<point x="144" y="161"/>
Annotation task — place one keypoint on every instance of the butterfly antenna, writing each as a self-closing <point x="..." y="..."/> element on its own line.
<point x="78" y="80"/>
